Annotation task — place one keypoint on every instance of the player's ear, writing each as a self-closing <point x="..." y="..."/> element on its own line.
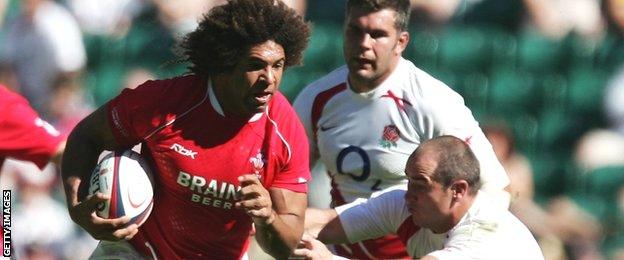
<point x="459" y="188"/>
<point x="402" y="42"/>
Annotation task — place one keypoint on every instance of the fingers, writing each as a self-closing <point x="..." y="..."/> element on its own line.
<point x="252" y="195"/>
<point x="251" y="187"/>
<point x="114" y="223"/>
<point x="126" y="233"/>
<point x="302" y="252"/>
<point x="249" y="179"/>
<point x="82" y="211"/>
<point x="259" y="213"/>
<point x="310" y="248"/>
<point x="307" y="237"/>
<point x="259" y="207"/>
<point x="310" y="242"/>
<point x="255" y="199"/>
<point x="93" y="200"/>
<point x="304" y="248"/>
<point x="254" y="203"/>
<point x="99" y="228"/>
<point x="112" y="229"/>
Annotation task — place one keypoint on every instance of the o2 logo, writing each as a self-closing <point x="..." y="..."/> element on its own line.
<point x="366" y="165"/>
<point x="365" y="160"/>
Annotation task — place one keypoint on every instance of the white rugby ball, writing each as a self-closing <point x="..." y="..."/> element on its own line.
<point x="126" y="178"/>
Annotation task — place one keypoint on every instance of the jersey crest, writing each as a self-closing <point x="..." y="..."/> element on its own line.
<point x="257" y="163"/>
<point x="389" y="137"/>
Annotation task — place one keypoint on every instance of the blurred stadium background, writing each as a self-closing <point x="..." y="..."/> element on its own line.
<point x="543" y="77"/>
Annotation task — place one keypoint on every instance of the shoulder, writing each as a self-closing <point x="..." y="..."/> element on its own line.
<point x="426" y="87"/>
<point x="393" y="194"/>
<point x="485" y="218"/>
<point x="160" y="99"/>
<point x="390" y="201"/>
<point x="177" y="84"/>
<point x="330" y="81"/>
<point x="489" y="218"/>
<point x="431" y="96"/>
<point x="483" y="209"/>
<point x="173" y="90"/>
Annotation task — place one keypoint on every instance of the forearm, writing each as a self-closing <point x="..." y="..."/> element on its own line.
<point x="325" y="225"/>
<point x="280" y="237"/>
<point x="84" y="145"/>
<point x="316" y="219"/>
<point x="79" y="159"/>
<point x="279" y="231"/>
<point x="333" y="233"/>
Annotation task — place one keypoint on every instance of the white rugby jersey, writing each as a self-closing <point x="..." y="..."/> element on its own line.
<point x="365" y="139"/>
<point x="486" y="231"/>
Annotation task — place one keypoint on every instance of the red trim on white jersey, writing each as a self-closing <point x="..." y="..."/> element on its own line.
<point x="337" y="198"/>
<point x="321" y="100"/>
<point x="407" y="230"/>
<point x="400" y="102"/>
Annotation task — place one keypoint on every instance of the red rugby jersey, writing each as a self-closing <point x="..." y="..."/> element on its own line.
<point x="23" y="135"/>
<point x="198" y="154"/>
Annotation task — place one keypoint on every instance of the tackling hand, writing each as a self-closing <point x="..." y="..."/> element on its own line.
<point x="312" y="249"/>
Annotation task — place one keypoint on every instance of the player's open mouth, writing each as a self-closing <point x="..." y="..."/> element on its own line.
<point x="262" y="97"/>
<point x="361" y="62"/>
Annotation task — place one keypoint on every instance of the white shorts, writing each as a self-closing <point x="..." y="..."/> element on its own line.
<point x="107" y="250"/>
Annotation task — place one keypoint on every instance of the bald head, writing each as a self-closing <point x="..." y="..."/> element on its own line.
<point x="448" y="158"/>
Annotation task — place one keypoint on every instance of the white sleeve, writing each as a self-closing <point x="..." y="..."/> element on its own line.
<point x="480" y="234"/>
<point x="466" y="242"/>
<point x="449" y="116"/>
<point x="303" y="107"/>
<point x="366" y="219"/>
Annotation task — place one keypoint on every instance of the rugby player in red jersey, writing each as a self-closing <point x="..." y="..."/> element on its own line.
<point x="23" y="134"/>
<point x="227" y="148"/>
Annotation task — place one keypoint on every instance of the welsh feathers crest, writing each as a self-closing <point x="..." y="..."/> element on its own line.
<point x="257" y="162"/>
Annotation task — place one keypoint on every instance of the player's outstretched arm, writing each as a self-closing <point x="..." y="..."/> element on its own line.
<point x="325" y="225"/>
<point x="278" y="215"/>
<point x="84" y="145"/>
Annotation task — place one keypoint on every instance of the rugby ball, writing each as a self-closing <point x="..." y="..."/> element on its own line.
<point x="126" y="178"/>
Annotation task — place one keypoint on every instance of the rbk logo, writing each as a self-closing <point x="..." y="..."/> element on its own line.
<point x="183" y="151"/>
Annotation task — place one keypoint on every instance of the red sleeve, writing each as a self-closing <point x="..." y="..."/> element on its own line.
<point x="24" y="135"/>
<point x="295" y="174"/>
<point x="136" y="113"/>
